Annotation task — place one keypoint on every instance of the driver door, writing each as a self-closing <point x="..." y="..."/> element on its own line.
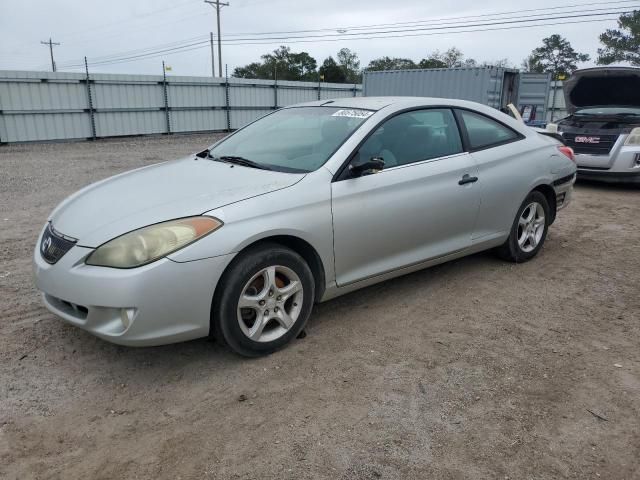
<point x="413" y="210"/>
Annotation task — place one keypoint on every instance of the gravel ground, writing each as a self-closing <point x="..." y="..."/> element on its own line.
<point x="473" y="369"/>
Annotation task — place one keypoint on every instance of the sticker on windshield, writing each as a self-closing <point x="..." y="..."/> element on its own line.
<point x="353" y="113"/>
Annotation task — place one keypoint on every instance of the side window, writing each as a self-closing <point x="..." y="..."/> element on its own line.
<point x="414" y="136"/>
<point x="484" y="132"/>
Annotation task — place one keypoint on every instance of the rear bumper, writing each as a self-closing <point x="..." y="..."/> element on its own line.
<point x="564" y="190"/>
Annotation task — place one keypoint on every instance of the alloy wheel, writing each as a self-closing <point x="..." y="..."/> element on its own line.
<point x="531" y="225"/>
<point x="270" y="303"/>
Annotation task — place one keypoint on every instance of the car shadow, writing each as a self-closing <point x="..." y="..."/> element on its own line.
<point x="211" y="354"/>
<point x="161" y="362"/>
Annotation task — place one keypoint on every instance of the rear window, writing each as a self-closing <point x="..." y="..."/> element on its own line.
<point x="484" y="132"/>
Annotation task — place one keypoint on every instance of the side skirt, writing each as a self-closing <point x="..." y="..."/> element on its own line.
<point x="333" y="291"/>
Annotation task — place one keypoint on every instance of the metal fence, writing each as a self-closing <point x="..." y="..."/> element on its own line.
<point x="37" y="106"/>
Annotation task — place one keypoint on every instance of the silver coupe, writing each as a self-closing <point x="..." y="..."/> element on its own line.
<point x="307" y="203"/>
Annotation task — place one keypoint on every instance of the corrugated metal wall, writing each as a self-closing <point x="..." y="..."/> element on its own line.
<point x="55" y="106"/>
<point x="534" y="90"/>
<point x="482" y="85"/>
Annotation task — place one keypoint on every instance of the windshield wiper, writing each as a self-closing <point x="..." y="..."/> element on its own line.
<point x="245" y="162"/>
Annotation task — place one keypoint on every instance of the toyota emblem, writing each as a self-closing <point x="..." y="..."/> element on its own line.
<point x="46" y="244"/>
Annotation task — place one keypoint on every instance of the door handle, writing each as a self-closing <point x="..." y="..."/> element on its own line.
<point x="466" y="178"/>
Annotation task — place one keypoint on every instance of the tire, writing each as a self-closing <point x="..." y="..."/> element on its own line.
<point x="526" y="238"/>
<point x="265" y="278"/>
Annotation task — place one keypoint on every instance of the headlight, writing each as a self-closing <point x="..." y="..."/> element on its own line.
<point x="634" y="137"/>
<point x="151" y="243"/>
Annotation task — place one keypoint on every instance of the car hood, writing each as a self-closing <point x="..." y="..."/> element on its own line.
<point x="599" y="87"/>
<point x="180" y="188"/>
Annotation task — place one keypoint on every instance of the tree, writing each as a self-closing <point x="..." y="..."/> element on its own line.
<point x="502" y="63"/>
<point x="433" y="60"/>
<point x="350" y="64"/>
<point x="332" y="72"/>
<point x="387" y="63"/>
<point x="282" y="62"/>
<point x="452" y="58"/>
<point x="529" y="65"/>
<point x="253" y="70"/>
<point x="431" y="63"/>
<point x="557" y="56"/>
<point x="622" y="45"/>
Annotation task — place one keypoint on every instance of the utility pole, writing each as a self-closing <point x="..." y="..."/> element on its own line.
<point x="217" y="4"/>
<point x="51" y="44"/>
<point x="213" y="69"/>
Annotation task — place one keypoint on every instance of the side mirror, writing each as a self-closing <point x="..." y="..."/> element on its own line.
<point x="359" y="169"/>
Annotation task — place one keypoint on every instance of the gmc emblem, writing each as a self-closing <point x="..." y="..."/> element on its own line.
<point x="587" y="140"/>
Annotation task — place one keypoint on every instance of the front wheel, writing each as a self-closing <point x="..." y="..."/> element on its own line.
<point x="529" y="230"/>
<point x="263" y="301"/>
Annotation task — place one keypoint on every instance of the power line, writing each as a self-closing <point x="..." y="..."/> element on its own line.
<point x="184" y="44"/>
<point x="127" y="20"/>
<point x="151" y="49"/>
<point x="415" y="23"/>
<point x="445" y="27"/>
<point x="471" y="17"/>
<point x="190" y="3"/>
<point x="346" y="36"/>
<point x="189" y="44"/>
<point x="198" y="45"/>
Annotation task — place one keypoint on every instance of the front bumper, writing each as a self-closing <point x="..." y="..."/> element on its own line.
<point x="632" y="176"/>
<point x="160" y="303"/>
<point x="621" y="165"/>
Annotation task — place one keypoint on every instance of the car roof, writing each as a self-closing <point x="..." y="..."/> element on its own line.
<point x="396" y="104"/>
<point x="378" y="103"/>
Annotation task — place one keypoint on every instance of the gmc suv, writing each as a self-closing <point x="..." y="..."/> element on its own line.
<point x="603" y="127"/>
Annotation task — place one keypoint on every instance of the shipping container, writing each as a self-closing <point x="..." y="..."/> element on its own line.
<point x="492" y="86"/>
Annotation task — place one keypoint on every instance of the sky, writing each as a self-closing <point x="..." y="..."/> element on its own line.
<point x="103" y="28"/>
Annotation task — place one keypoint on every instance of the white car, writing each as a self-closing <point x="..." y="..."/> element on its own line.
<point x="308" y="203"/>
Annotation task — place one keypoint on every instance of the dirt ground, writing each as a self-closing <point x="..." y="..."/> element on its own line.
<point x="474" y="369"/>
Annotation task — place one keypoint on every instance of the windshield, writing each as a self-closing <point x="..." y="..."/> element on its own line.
<point x="299" y="139"/>
<point x="609" y="111"/>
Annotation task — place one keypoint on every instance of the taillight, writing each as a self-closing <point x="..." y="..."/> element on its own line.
<point x="567" y="152"/>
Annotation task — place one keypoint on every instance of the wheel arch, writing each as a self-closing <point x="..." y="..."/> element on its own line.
<point x="550" y="194"/>
<point x="298" y="245"/>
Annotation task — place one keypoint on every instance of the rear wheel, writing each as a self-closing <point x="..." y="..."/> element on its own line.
<point x="529" y="229"/>
<point x="265" y="300"/>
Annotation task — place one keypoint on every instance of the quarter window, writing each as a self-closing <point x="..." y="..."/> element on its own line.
<point x="484" y="132"/>
<point x="414" y="136"/>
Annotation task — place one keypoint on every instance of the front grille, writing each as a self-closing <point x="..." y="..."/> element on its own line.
<point x="54" y="245"/>
<point x="590" y="144"/>
<point x="78" y="311"/>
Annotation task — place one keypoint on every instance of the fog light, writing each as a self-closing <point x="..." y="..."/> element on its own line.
<point x="126" y="316"/>
<point x="636" y="161"/>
